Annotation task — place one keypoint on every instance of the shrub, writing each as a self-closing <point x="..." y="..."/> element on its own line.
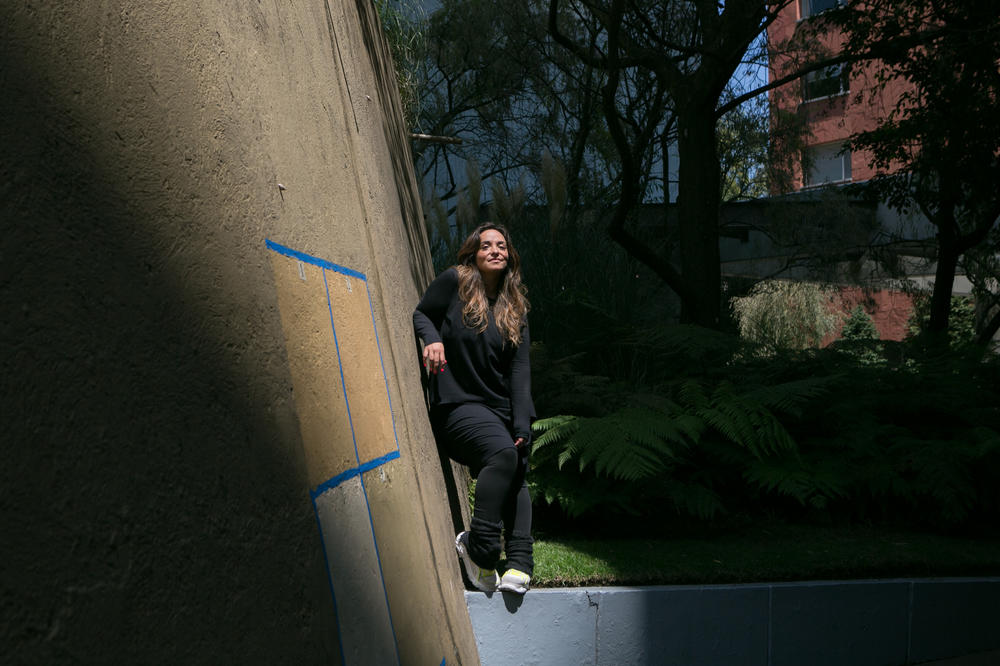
<point x="860" y="340"/>
<point x="785" y="315"/>
<point x="859" y="326"/>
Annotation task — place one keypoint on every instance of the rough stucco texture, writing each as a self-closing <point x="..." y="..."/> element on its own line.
<point x="154" y="485"/>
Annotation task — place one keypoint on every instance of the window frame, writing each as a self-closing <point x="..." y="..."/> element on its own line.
<point x="841" y="76"/>
<point x="803" y="4"/>
<point x="843" y="154"/>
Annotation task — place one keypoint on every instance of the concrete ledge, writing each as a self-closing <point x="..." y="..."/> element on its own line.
<point x="861" y="623"/>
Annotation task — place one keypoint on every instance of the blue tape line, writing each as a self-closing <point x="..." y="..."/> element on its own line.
<point x="381" y="363"/>
<point x="340" y="366"/>
<point x="315" y="261"/>
<point x="332" y="483"/>
<point x="329" y="580"/>
<point x="378" y="462"/>
<point x="378" y="559"/>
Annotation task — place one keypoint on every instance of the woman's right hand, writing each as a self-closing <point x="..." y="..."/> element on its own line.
<point x="434" y="359"/>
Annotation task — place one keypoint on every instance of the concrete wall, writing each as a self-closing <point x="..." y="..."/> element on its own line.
<point x="861" y="623"/>
<point x="215" y="447"/>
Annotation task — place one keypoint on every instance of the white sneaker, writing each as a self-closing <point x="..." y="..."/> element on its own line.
<point x="482" y="579"/>
<point x="515" y="581"/>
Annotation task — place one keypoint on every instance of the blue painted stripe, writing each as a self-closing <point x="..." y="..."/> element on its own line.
<point x="378" y="559"/>
<point x="329" y="580"/>
<point x="315" y="261"/>
<point x="351" y="473"/>
<point x="378" y="462"/>
<point x="340" y="366"/>
<point x="381" y="362"/>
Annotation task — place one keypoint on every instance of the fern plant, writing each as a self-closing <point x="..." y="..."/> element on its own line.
<point x="669" y="423"/>
<point x="656" y="444"/>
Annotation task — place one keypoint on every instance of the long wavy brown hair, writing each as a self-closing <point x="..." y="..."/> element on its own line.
<point x="511" y="308"/>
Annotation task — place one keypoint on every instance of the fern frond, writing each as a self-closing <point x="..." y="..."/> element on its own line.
<point x="743" y="421"/>
<point x="629" y="444"/>
<point x="789" y="397"/>
<point x="785" y="478"/>
<point x="696" y="500"/>
<point x="692" y="394"/>
<point x="554" y="430"/>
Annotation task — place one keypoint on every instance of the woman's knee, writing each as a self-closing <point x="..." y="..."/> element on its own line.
<point x="505" y="461"/>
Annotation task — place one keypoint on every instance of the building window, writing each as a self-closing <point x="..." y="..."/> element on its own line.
<point x="830" y="163"/>
<point x="809" y="8"/>
<point x="825" y="82"/>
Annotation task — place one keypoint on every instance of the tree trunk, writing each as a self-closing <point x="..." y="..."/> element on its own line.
<point x="698" y="216"/>
<point x="944" y="281"/>
<point x="985" y="336"/>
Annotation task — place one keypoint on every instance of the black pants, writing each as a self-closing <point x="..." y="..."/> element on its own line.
<point x="480" y="438"/>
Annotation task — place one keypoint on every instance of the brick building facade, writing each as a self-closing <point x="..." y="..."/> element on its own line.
<point x="834" y="105"/>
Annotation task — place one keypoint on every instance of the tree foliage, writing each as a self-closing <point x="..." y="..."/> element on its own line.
<point x="981" y="265"/>
<point x="404" y="24"/>
<point x="572" y="114"/>
<point x="495" y="81"/>
<point x="962" y="319"/>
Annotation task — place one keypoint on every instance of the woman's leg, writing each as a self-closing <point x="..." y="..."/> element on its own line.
<point x="517" y="522"/>
<point x="478" y="437"/>
<point x="492" y="489"/>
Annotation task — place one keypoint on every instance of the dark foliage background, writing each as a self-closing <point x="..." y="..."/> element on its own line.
<point x="646" y="425"/>
<point x="865" y="432"/>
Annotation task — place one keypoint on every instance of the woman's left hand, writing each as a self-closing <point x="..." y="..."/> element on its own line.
<point x="519" y="442"/>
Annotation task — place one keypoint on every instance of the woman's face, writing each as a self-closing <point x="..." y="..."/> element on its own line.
<point x="491" y="258"/>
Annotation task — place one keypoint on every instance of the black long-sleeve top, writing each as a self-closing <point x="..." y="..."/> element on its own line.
<point x="481" y="367"/>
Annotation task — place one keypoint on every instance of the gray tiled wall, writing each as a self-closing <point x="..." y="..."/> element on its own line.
<point x="861" y="623"/>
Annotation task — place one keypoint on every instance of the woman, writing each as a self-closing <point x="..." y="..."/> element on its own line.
<point x="473" y="321"/>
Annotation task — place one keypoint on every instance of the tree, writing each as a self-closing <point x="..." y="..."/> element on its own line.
<point x="859" y="326"/>
<point x="687" y="53"/>
<point x="938" y="148"/>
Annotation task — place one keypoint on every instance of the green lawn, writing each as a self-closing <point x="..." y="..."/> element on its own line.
<point x="772" y="553"/>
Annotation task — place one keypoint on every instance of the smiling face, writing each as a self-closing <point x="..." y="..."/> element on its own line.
<point x="491" y="257"/>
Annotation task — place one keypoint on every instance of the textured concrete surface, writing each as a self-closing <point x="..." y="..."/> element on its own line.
<point x="947" y="613"/>
<point x="696" y="625"/>
<point x="550" y="627"/>
<point x="861" y="623"/>
<point x="365" y="629"/>
<point x="169" y="414"/>
<point x="831" y="623"/>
